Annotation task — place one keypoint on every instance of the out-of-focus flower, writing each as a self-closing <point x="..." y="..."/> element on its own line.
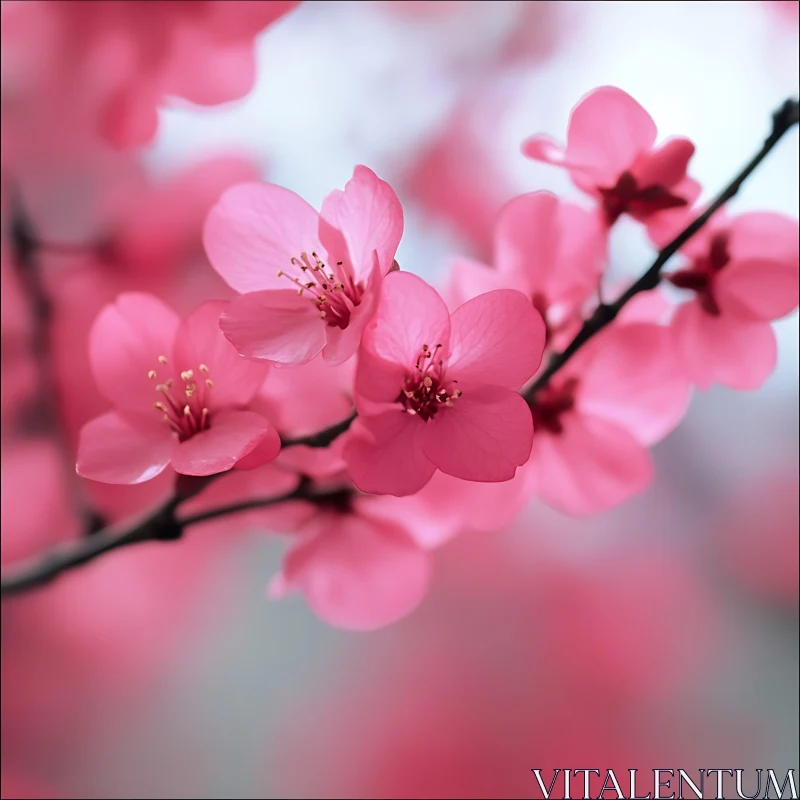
<point x="611" y="155"/>
<point x="16" y="785"/>
<point x="595" y="419"/>
<point x="355" y="571"/>
<point x="310" y="281"/>
<point x="551" y="251"/>
<point x="757" y="536"/>
<point x="744" y="273"/>
<point x="187" y="409"/>
<point x="127" y="56"/>
<point x="436" y="390"/>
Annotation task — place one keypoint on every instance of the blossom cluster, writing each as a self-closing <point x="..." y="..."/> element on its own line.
<point x="457" y="419"/>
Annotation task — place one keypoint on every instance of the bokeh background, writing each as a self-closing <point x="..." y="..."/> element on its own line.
<point x="663" y="634"/>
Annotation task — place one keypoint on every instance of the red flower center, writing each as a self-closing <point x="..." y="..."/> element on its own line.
<point x="551" y="403"/>
<point x="638" y="201"/>
<point x="700" y="278"/>
<point x="425" y="390"/>
<point x="184" y="410"/>
<point x="335" y="297"/>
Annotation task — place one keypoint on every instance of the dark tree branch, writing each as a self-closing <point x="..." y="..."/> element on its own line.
<point x="786" y="117"/>
<point x="165" y="525"/>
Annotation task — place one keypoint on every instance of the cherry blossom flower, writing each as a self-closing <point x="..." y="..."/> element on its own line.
<point x="597" y="416"/>
<point x="611" y="155"/>
<point x="438" y="391"/>
<point x="551" y="251"/>
<point x="356" y="571"/>
<point x="744" y="273"/>
<point x="179" y="392"/>
<point x="309" y="282"/>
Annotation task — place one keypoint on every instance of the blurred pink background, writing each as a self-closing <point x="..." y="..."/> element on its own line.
<point x="662" y="634"/>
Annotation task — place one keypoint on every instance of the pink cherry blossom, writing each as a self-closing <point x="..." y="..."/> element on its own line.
<point x="611" y="154"/>
<point x="597" y="416"/>
<point x="553" y="252"/>
<point x="743" y="271"/>
<point x="309" y="282"/>
<point x="355" y="571"/>
<point x="438" y="391"/>
<point x="186" y="409"/>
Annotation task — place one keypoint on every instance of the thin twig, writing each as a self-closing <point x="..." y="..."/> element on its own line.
<point x="160" y="526"/>
<point x="323" y="438"/>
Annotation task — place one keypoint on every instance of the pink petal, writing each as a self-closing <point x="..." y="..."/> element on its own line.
<point x="410" y="314"/>
<point x="634" y="379"/>
<point x="125" y="343"/>
<point x="447" y="506"/>
<point x="758" y="290"/>
<point x="265" y="451"/>
<point x="124" y="448"/>
<point x="666" y="165"/>
<point x="468" y="279"/>
<point x="496" y="338"/>
<point x="366" y="218"/>
<point x="723" y="349"/>
<point x="385" y="455"/>
<point x="232" y="435"/>
<point x="200" y="341"/>
<point x="341" y="344"/>
<point x="582" y="254"/>
<point x="590" y="467"/>
<point x="254" y="231"/>
<point x="541" y="147"/>
<point x="527" y="238"/>
<point x="485" y="436"/>
<point x="764" y="235"/>
<point x="607" y="130"/>
<point x="357" y="573"/>
<point x="276" y="326"/>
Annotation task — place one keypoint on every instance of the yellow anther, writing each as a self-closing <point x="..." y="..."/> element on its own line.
<point x="209" y="383"/>
<point x="187" y="412"/>
<point x="151" y="374"/>
<point x="204" y="415"/>
<point x="162" y="387"/>
<point x="187" y="375"/>
<point x="160" y="407"/>
<point x="427" y="382"/>
<point x="162" y="360"/>
<point x="280" y="271"/>
<point x="323" y="314"/>
<point x="204" y="368"/>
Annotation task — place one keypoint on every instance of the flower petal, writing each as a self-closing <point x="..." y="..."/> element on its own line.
<point x="633" y="378"/>
<point x="527" y="237"/>
<point x="758" y="290"/>
<point x="265" y="451"/>
<point x="592" y="466"/>
<point x="723" y="349"/>
<point x="384" y="454"/>
<point x="410" y="314"/>
<point x="607" y="130"/>
<point x="364" y="219"/>
<point x="666" y="165"/>
<point x="232" y="435"/>
<point x="124" y="448"/>
<point x="276" y="326"/>
<point x="485" y="436"/>
<point x="357" y="573"/>
<point x="496" y="338"/>
<point x="254" y="231"/>
<point x="125" y="343"/>
<point x="199" y="340"/>
<point x="468" y="279"/>
<point x="764" y="235"/>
